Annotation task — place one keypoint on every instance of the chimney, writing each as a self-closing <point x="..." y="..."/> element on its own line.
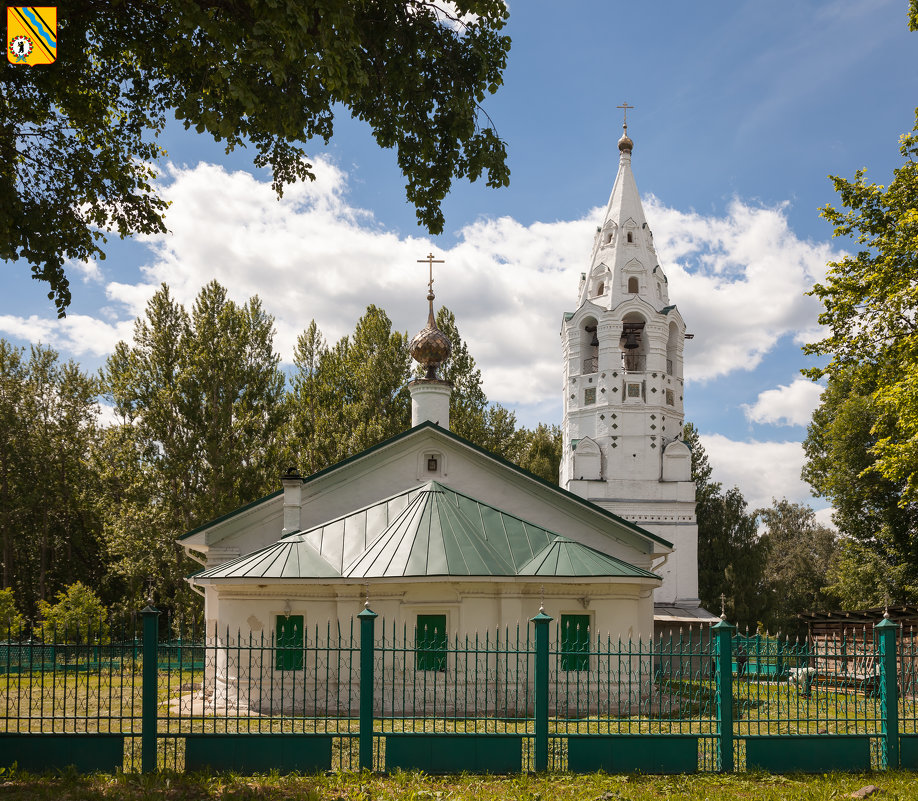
<point x="293" y="498"/>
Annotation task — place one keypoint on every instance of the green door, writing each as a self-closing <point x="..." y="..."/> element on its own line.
<point x="289" y="654"/>
<point x="575" y="642"/>
<point x="430" y="640"/>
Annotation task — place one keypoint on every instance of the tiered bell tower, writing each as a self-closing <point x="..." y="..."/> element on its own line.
<point x="623" y="392"/>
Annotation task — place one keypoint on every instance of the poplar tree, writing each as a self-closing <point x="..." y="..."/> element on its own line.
<point x="541" y="452"/>
<point x="48" y="426"/>
<point x="201" y="402"/>
<point x="349" y="397"/>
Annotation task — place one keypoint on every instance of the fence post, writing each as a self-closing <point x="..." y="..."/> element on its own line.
<point x="149" y="689"/>
<point x="723" y="676"/>
<point x="540" y="698"/>
<point x="889" y="692"/>
<point x="367" y="642"/>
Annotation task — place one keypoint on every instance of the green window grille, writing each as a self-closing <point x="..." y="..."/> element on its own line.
<point x="575" y="642"/>
<point x="290" y="644"/>
<point x="430" y="640"/>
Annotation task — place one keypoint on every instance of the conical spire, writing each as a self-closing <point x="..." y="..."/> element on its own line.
<point x="623" y="253"/>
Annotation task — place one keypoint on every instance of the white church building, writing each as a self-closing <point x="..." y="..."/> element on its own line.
<point x="438" y="533"/>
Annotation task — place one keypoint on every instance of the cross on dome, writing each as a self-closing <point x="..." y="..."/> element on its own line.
<point x="431" y="261"/>
<point x="625" y="143"/>
<point x="430" y="346"/>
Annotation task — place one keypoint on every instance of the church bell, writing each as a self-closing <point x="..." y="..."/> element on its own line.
<point x="631" y="342"/>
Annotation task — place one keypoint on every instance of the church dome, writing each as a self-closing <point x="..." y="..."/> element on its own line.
<point x="625" y="142"/>
<point x="430" y="346"/>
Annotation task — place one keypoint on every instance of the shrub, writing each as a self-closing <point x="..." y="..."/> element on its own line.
<point x="76" y="617"/>
<point x="11" y="622"/>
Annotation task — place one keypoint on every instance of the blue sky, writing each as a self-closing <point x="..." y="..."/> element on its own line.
<point x="742" y="110"/>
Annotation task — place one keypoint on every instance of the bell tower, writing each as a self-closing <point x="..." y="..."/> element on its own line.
<point x="623" y="392"/>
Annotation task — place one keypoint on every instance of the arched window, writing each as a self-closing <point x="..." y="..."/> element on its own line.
<point x="630" y="237"/>
<point x="633" y="285"/>
<point x="589" y="346"/>
<point x="633" y="344"/>
<point x="600" y="288"/>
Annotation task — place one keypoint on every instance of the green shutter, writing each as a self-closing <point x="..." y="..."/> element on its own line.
<point x="430" y="641"/>
<point x="289" y="653"/>
<point x="575" y="642"/>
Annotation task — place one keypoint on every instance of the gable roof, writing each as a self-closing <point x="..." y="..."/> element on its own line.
<point x="429" y="530"/>
<point x="434" y="428"/>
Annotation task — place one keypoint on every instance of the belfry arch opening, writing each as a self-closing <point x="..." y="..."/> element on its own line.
<point x="633" y="344"/>
<point x="589" y="345"/>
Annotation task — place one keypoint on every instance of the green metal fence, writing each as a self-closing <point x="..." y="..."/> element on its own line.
<point x="543" y="695"/>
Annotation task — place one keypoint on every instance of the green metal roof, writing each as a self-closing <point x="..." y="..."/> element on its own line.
<point x="290" y="557"/>
<point x="433" y="536"/>
<point x="430" y="530"/>
<point x="564" y="557"/>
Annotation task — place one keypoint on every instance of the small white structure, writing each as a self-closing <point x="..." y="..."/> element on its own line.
<point x="445" y="538"/>
<point x="623" y="396"/>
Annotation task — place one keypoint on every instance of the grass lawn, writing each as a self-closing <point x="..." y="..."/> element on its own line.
<point x="418" y="787"/>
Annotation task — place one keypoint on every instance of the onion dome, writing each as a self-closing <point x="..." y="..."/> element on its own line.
<point x="430" y="346"/>
<point x="625" y="143"/>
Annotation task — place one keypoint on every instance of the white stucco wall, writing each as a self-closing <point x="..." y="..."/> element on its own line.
<point x="243" y="676"/>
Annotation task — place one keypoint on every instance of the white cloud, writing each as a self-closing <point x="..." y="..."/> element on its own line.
<point x="762" y="470"/>
<point x="88" y="270"/>
<point x="739" y="279"/>
<point x="76" y="334"/>
<point x="824" y="516"/>
<point x="788" y="405"/>
<point x="106" y="415"/>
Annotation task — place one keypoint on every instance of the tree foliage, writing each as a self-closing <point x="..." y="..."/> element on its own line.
<point x="349" y="397"/>
<point x="870" y="302"/>
<point x="11" y="622"/>
<point x="878" y="559"/>
<point x="78" y="141"/>
<point x="48" y="424"/>
<point x="201" y="399"/>
<point x="731" y="558"/>
<point x="541" y="452"/>
<point x="203" y="424"/>
<point x="801" y="554"/>
<point x="77" y="615"/>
